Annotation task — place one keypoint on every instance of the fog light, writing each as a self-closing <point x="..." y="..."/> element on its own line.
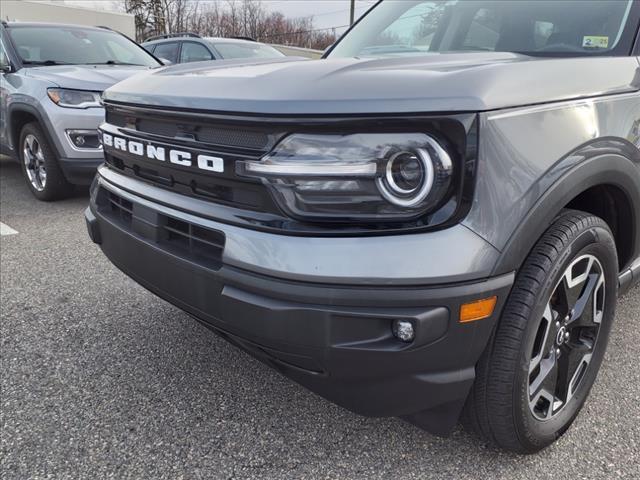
<point x="84" y="139"/>
<point x="403" y="330"/>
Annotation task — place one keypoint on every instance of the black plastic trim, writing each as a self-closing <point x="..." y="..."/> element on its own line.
<point x="80" y="171"/>
<point x="44" y="123"/>
<point x="621" y="172"/>
<point x="336" y="341"/>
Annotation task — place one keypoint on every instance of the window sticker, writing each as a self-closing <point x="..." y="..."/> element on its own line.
<point x="594" y="41"/>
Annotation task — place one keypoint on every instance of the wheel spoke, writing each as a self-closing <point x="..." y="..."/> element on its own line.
<point x="598" y="301"/>
<point x="582" y="314"/>
<point x="546" y="338"/>
<point x="39" y="154"/>
<point x="29" y="141"/>
<point x="42" y="176"/>
<point x="569" y="364"/>
<point x="34" y="162"/>
<point x="547" y="376"/>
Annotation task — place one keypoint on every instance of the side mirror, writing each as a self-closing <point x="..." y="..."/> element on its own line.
<point x="164" y="61"/>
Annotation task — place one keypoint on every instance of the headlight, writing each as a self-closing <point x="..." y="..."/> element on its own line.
<point x="74" y="98"/>
<point x="358" y="177"/>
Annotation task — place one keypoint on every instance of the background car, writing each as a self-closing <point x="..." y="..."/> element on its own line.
<point x="51" y="81"/>
<point x="189" y="47"/>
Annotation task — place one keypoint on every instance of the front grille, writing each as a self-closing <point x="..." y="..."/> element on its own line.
<point x="217" y="137"/>
<point x="157" y="128"/>
<point x="183" y="239"/>
<point x="220" y="135"/>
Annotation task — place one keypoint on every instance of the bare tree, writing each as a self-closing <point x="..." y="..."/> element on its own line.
<point x="248" y="18"/>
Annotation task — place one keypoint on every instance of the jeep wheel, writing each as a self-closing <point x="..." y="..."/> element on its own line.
<point x="40" y="166"/>
<point x="537" y="371"/>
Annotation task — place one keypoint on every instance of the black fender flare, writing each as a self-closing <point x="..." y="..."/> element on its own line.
<point x="30" y="109"/>
<point x="620" y="171"/>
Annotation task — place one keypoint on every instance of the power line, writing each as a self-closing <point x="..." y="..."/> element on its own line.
<point x="288" y="34"/>
<point x="344" y="10"/>
<point x="333" y="12"/>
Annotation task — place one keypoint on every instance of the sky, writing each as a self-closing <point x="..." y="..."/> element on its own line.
<point x="326" y="13"/>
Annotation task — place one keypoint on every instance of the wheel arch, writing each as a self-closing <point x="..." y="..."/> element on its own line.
<point x="19" y="115"/>
<point x="611" y="192"/>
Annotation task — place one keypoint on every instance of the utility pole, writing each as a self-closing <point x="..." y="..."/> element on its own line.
<point x="353" y="12"/>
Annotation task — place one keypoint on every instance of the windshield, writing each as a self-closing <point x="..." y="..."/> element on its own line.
<point x="42" y="45"/>
<point x="535" y="27"/>
<point x="246" y="50"/>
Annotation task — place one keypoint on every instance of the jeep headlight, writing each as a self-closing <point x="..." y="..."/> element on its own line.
<point x="356" y="177"/>
<point x="74" y="98"/>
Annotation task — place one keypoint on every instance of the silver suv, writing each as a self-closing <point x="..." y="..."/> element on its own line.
<point x="50" y="86"/>
<point x="190" y="47"/>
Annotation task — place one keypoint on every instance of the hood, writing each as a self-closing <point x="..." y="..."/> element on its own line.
<point x="430" y="83"/>
<point x="85" y="77"/>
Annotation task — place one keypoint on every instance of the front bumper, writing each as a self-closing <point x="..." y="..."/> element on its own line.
<point x="334" y="339"/>
<point x="79" y="165"/>
<point x="80" y="171"/>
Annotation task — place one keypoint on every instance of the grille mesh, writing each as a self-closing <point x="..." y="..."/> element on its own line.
<point x="163" y="129"/>
<point x="232" y="138"/>
<point x="217" y="135"/>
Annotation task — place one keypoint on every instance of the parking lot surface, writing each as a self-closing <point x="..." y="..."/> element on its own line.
<point x="101" y="379"/>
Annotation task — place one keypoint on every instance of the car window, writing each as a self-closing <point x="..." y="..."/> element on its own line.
<point x="246" y="50"/>
<point x="149" y="48"/>
<point x="4" y="58"/>
<point x="194" y="52"/>
<point x="572" y="27"/>
<point x="76" y="45"/>
<point x="410" y="30"/>
<point x="484" y="31"/>
<point x="119" y="52"/>
<point x="167" y="51"/>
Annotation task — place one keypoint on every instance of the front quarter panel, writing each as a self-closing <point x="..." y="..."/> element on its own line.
<point x="29" y="94"/>
<point x="535" y="158"/>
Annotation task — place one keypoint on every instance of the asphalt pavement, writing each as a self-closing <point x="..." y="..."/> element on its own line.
<point x="101" y="379"/>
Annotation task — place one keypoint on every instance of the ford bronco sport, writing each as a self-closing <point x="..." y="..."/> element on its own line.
<point x="433" y="222"/>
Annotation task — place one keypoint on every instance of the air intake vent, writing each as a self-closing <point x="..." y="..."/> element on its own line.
<point x="186" y="240"/>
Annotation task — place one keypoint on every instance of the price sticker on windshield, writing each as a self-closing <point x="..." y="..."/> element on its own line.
<point x="592" y="41"/>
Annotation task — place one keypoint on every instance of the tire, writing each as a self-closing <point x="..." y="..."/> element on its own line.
<point x="40" y="166"/>
<point x="514" y="404"/>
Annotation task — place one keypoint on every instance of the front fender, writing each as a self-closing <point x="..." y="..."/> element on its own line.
<point x="612" y="169"/>
<point x="533" y="161"/>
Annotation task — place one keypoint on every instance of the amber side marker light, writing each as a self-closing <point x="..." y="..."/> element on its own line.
<point x="471" y="312"/>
